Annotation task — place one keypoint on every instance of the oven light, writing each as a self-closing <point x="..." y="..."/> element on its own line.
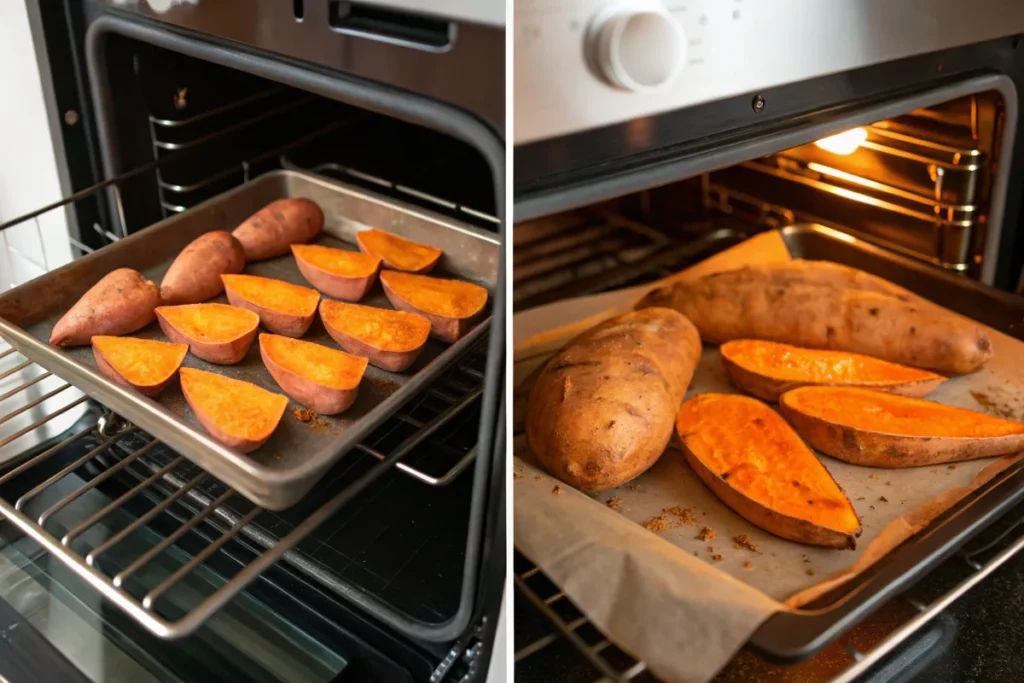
<point x="843" y="143"/>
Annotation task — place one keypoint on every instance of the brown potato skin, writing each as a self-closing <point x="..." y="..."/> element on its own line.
<point x="111" y="373"/>
<point x="121" y="303"/>
<point x="273" y="229"/>
<point x="279" y="323"/>
<point x="771" y="388"/>
<point x="340" y="287"/>
<point x="893" y="451"/>
<point x="392" y="361"/>
<point x="224" y="353"/>
<point x="824" y="306"/>
<point x="324" y="400"/>
<point x="603" y="409"/>
<point x="445" y="328"/>
<point x="194" y="276"/>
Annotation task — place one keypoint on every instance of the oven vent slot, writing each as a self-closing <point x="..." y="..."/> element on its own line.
<point x="398" y="28"/>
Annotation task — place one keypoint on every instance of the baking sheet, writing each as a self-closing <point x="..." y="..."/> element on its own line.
<point x="301" y="449"/>
<point x="713" y="593"/>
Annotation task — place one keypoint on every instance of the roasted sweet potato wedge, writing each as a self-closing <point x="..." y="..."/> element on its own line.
<point x="217" y="333"/>
<point x="452" y="306"/>
<point x="751" y="459"/>
<point x="238" y="414"/>
<point x="397" y="252"/>
<point x="145" y="365"/>
<point x="768" y="370"/>
<point x="391" y="340"/>
<point x="283" y="308"/>
<point x="347" y="275"/>
<point x="273" y="229"/>
<point x="194" y="275"/>
<point x="121" y="303"/>
<point x="875" y="429"/>
<point x="323" y="379"/>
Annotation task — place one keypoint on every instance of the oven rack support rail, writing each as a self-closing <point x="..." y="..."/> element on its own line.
<point x="110" y="431"/>
<point x="980" y="561"/>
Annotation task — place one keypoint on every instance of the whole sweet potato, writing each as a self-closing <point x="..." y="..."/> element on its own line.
<point x="122" y="302"/>
<point x="822" y="305"/>
<point x="272" y="230"/>
<point x="194" y="276"/>
<point x="603" y="408"/>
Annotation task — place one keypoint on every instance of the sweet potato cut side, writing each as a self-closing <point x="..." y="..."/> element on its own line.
<point x="751" y="459"/>
<point x="397" y="252"/>
<point x="283" y="308"/>
<point x="768" y="370"/>
<point x="145" y="365"/>
<point x="876" y="429"/>
<point x="217" y="333"/>
<point x="273" y="229"/>
<point x="321" y="378"/>
<point x="391" y="340"/>
<point x="194" y="275"/>
<point x="120" y="303"/>
<point x="347" y="275"/>
<point x="238" y="414"/>
<point x="452" y="306"/>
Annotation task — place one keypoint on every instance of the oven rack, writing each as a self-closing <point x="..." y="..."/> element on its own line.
<point x="117" y="448"/>
<point x="568" y="628"/>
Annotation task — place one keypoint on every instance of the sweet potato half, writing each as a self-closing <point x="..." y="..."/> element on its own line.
<point x="819" y="305"/>
<point x="145" y="365"/>
<point x="323" y="379"/>
<point x="283" y="308"/>
<point x="120" y="303"/>
<point x="768" y="370"/>
<point x="273" y="229"/>
<point x="397" y="252"/>
<point x="217" y="333"/>
<point x="238" y="414"/>
<point x="751" y="459"/>
<point x="347" y="275"/>
<point x="452" y="306"/>
<point x="602" y="410"/>
<point x="874" y="429"/>
<point x="391" y="340"/>
<point x="194" y="275"/>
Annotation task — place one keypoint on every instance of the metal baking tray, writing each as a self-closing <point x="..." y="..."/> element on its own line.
<point x="284" y="469"/>
<point x="798" y="634"/>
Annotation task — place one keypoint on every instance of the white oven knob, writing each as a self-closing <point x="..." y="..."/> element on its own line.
<point x="637" y="46"/>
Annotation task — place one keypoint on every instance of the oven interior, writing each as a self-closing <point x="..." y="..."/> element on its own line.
<point x="918" y="184"/>
<point x="402" y="546"/>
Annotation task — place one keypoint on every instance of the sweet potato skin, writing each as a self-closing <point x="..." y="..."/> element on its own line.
<point x="769" y="388"/>
<point x="120" y="303"/>
<point x="222" y="353"/>
<point x="243" y="445"/>
<point x="603" y="408"/>
<point x="278" y="322"/>
<point x="323" y="399"/>
<point x="146" y="390"/>
<point x="878" y="449"/>
<point x="772" y="520"/>
<point x="824" y="306"/>
<point x="448" y="328"/>
<point x="194" y="276"/>
<point x="391" y="361"/>
<point x="333" y="284"/>
<point x="273" y="229"/>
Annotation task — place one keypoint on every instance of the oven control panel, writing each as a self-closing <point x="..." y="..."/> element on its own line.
<point x="582" y="64"/>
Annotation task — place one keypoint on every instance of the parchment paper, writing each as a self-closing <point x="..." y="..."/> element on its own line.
<point x="683" y="604"/>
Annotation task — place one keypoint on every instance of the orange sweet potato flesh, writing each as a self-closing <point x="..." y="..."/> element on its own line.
<point x="397" y="252"/>
<point x="390" y="339"/>
<point x="239" y="414"/>
<point x="346" y="275"/>
<point x="120" y="303"/>
<point x="768" y="370"/>
<point x="144" y="364"/>
<point x="751" y="459"/>
<point x="316" y="376"/>
<point x="283" y="308"/>
<point x="878" y="429"/>
<point x="452" y="306"/>
<point x="217" y="333"/>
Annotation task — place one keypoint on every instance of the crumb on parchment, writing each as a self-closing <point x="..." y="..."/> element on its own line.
<point x="684" y="515"/>
<point x="744" y="541"/>
<point x="557" y="490"/>
<point x="747" y="564"/>
<point x="951" y="467"/>
<point x="706" y="534"/>
<point x="883" y="499"/>
<point x="656" y="524"/>
<point x="810" y="572"/>
<point x="615" y="503"/>
<point x="517" y="475"/>
<point x="716" y="558"/>
<point x="670" y="518"/>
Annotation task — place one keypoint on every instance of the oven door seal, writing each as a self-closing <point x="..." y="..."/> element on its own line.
<point x="488" y="491"/>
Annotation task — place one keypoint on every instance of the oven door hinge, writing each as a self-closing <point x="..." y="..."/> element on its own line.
<point x="467" y="650"/>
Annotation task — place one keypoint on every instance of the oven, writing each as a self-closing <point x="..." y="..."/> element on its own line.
<point x="121" y="560"/>
<point x="652" y="136"/>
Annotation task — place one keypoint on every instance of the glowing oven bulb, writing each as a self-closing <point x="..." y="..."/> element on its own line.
<point x="843" y="143"/>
